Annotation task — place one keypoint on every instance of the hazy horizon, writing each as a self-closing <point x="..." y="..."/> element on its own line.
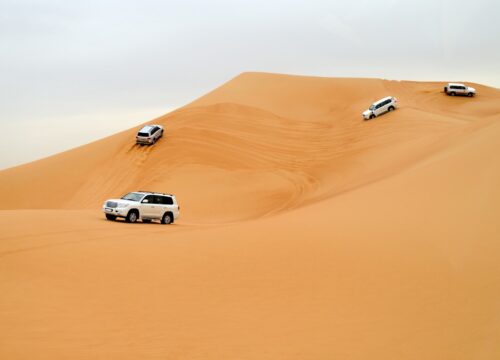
<point x="73" y="72"/>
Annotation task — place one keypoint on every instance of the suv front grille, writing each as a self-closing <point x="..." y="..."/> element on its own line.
<point x="111" y="204"/>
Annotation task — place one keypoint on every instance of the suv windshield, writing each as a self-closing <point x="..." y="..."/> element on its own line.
<point x="133" y="197"/>
<point x="372" y="107"/>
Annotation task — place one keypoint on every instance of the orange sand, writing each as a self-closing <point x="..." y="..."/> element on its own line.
<point x="305" y="232"/>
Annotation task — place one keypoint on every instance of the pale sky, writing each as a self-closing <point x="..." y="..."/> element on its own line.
<point x="72" y="71"/>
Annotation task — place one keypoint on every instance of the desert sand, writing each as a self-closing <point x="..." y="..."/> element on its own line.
<point x="305" y="232"/>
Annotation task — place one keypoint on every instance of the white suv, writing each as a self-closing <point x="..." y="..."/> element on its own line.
<point x="144" y="205"/>
<point x="149" y="134"/>
<point x="459" y="89"/>
<point x="379" y="107"/>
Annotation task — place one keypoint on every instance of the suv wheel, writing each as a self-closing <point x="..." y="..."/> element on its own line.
<point x="390" y="108"/>
<point x="132" y="216"/>
<point x="453" y="93"/>
<point x="470" y="94"/>
<point x="167" y="219"/>
<point x="372" y="116"/>
<point x="110" y="217"/>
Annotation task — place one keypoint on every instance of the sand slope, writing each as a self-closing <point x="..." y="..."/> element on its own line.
<point x="361" y="240"/>
<point x="273" y="141"/>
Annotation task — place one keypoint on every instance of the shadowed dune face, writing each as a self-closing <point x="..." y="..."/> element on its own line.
<point x="258" y="145"/>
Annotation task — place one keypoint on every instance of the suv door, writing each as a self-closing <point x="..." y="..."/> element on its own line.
<point x="166" y="204"/>
<point x="158" y="133"/>
<point x="148" y="208"/>
<point x="155" y="133"/>
<point x="159" y="207"/>
<point x="383" y="107"/>
<point x="456" y="89"/>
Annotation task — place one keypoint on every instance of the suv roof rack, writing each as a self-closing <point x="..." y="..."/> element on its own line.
<point x="153" y="192"/>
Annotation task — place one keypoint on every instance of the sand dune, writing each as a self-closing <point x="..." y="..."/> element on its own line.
<point x="305" y="232"/>
<point x="275" y="142"/>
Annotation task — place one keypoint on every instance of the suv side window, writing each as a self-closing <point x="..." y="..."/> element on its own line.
<point x="149" y="198"/>
<point x="157" y="199"/>
<point x="155" y="129"/>
<point x="166" y="200"/>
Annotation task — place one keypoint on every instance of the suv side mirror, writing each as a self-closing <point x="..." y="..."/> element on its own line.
<point x="145" y="201"/>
